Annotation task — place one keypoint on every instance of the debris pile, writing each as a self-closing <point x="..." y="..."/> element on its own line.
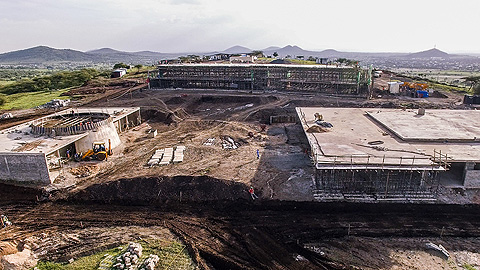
<point x="55" y="103"/>
<point x="6" y="115"/>
<point x="84" y="171"/>
<point x="209" y="142"/>
<point x="129" y="259"/>
<point x="229" y="143"/>
<point x="440" y="250"/>
<point x="150" y="262"/>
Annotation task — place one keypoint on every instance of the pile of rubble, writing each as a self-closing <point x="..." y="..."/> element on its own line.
<point x="150" y="262"/>
<point x="84" y="171"/>
<point x="55" y="103"/>
<point x="129" y="259"/>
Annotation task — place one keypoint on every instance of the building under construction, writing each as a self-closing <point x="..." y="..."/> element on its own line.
<point x="329" y="79"/>
<point x="389" y="154"/>
<point x="32" y="153"/>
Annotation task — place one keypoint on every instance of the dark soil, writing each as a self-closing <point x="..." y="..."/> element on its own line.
<point x="142" y="191"/>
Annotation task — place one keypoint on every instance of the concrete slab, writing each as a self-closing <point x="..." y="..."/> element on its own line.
<point x="347" y="142"/>
<point x="434" y="125"/>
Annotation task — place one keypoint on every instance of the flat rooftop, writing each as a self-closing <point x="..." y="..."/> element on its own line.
<point x="393" y="138"/>
<point x="18" y="139"/>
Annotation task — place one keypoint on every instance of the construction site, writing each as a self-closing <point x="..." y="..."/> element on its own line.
<point x="338" y="80"/>
<point x="340" y="181"/>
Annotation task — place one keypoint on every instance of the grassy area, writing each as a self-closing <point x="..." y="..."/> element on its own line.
<point x="301" y="62"/>
<point x="139" y="72"/>
<point x="173" y="255"/>
<point x="3" y="83"/>
<point x="30" y="99"/>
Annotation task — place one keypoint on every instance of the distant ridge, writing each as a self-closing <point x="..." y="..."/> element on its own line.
<point x="44" y="54"/>
<point x="104" y="51"/>
<point x="237" y="49"/>
<point x="432" y="53"/>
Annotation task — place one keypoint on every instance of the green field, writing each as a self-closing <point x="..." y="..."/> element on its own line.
<point x="3" y="83"/>
<point x="173" y="256"/>
<point x="30" y="99"/>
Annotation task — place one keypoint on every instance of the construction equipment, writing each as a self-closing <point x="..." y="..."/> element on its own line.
<point x="415" y="85"/>
<point x="98" y="152"/>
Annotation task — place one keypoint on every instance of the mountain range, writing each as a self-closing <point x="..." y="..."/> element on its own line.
<point x="43" y="55"/>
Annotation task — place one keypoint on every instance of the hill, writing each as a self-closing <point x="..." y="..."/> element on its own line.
<point x="237" y="49"/>
<point x="429" y="54"/>
<point x="44" y="54"/>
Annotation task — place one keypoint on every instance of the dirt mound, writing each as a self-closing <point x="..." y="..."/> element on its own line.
<point x="167" y="117"/>
<point x="175" y="100"/>
<point x="316" y="129"/>
<point x="7" y="248"/>
<point x="143" y="191"/>
<point x="84" y="171"/>
<point x="16" y="193"/>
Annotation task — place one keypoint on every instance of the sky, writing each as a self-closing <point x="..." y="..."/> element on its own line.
<point x="203" y="26"/>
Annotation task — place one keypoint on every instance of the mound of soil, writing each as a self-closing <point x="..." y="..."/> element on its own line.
<point x="10" y="193"/>
<point x="141" y="191"/>
<point x="7" y="248"/>
<point x="175" y="100"/>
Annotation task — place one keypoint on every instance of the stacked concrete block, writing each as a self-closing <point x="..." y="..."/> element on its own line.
<point x="167" y="157"/>
<point x="155" y="159"/>
<point x="178" y="156"/>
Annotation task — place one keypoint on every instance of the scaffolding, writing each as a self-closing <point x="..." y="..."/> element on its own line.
<point x="305" y="78"/>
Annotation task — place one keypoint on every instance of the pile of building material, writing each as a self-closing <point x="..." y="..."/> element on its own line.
<point x="229" y="143"/>
<point x="178" y="156"/>
<point x="166" y="156"/>
<point x="129" y="259"/>
<point x="155" y="159"/>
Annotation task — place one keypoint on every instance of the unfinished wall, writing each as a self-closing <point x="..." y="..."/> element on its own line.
<point x="101" y="134"/>
<point x="24" y="168"/>
<point x="472" y="179"/>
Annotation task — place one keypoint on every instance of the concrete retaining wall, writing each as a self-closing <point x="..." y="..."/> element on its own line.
<point x="25" y="168"/>
<point x="472" y="179"/>
<point x="101" y="134"/>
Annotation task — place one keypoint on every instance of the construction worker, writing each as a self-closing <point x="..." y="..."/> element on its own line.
<point x="252" y="193"/>
<point x="4" y="221"/>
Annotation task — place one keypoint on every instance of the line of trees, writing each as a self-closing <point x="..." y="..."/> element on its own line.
<point x="60" y="80"/>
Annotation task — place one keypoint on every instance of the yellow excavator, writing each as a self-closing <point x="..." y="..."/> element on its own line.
<point x="98" y="152"/>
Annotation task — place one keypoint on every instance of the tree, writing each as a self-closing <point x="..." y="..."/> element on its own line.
<point x="275" y="54"/>
<point x="473" y="80"/>
<point x="2" y="100"/>
<point x="311" y="58"/>
<point x="121" y="65"/>
<point x="257" y="53"/>
<point x="476" y="89"/>
<point x="138" y="66"/>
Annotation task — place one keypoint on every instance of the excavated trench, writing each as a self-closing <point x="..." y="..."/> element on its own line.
<point x="224" y="229"/>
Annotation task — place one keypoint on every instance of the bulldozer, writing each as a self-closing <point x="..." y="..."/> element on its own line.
<point x="98" y="152"/>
